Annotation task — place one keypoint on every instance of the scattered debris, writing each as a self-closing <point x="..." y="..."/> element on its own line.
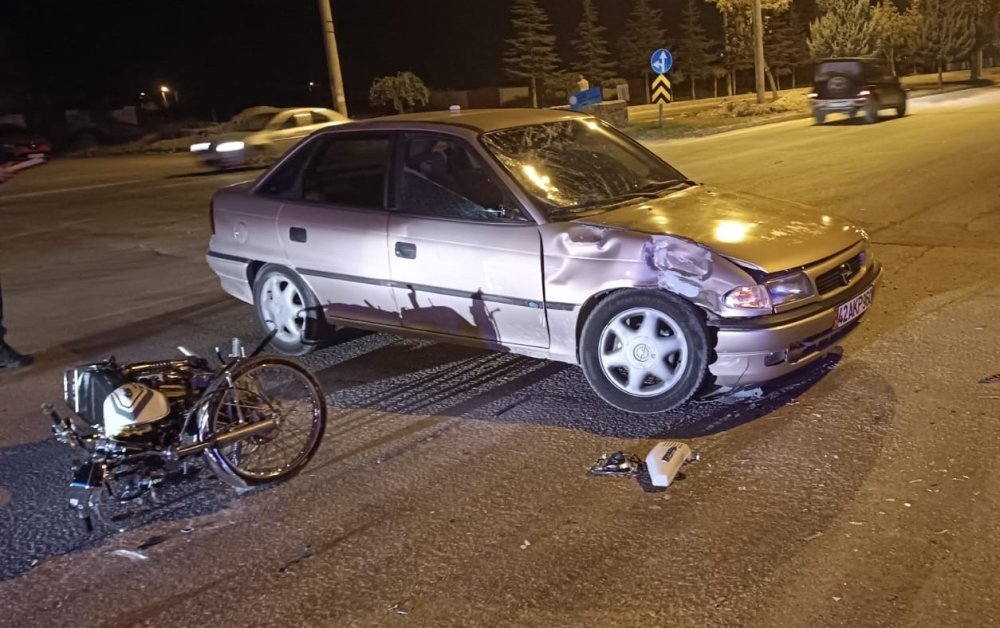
<point x="665" y="459"/>
<point x="400" y="609"/>
<point x="836" y="599"/>
<point x="992" y="379"/>
<point x="187" y="530"/>
<point x="618" y="464"/>
<point x="813" y="537"/>
<point x="945" y="531"/>
<point x="130" y="554"/>
<point x="526" y="544"/>
<point x="151" y="541"/>
<point x="907" y="504"/>
<point x="304" y="552"/>
<point x="917" y="481"/>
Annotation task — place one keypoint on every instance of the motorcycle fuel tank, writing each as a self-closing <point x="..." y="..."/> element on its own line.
<point x="133" y="407"/>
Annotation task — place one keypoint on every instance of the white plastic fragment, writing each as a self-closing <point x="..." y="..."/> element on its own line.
<point x="130" y="554"/>
<point x="665" y="459"/>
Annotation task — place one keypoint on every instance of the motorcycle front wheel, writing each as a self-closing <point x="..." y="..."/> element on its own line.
<point x="257" y="390"/>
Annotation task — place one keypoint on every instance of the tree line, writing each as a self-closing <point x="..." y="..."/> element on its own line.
<point x="932" y="33"/>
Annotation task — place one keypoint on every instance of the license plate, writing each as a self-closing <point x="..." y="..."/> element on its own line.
<point x="854" y="308"/>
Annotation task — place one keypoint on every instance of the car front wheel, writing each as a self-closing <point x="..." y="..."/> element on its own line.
<point x="645" y="351"/>
<point x="286" y="305"/>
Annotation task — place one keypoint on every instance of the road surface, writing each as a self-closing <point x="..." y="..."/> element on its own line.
<point x="452" y="485"/>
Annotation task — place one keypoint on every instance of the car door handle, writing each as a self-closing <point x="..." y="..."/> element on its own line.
<point x="406" y="250"/>
<point x="297" y="234"/>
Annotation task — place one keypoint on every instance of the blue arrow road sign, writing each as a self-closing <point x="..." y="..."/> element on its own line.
<point x="661" y="61"/>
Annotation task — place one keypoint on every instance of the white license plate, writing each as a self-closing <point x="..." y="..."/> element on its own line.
<point x="854" y="308"/>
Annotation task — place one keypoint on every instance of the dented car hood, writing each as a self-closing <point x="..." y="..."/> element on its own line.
<point x="757" y="231"/>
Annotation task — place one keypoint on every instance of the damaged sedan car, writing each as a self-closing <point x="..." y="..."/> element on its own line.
<point x="543" y="233"/>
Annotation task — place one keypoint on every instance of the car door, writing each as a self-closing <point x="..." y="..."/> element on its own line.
<point x="465" y="260"/>
<point x="333" y="224"/>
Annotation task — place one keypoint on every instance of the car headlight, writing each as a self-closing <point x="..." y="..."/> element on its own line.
<point x="226" y="147"/>
<point x="748" y="298"/>
<point x="789" y="288"/>
<point x="200" y="146"/>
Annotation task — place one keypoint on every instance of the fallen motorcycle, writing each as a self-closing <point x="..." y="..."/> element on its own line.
<point x="254" y="419"/>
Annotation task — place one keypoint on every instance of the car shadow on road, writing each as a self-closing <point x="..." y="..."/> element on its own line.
<point x="857" y="121"/>
<point x="422" y="378"/>
<point x="215" y="173"/>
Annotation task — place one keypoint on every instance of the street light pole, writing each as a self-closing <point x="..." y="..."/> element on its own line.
<point x="333" y="58"/>
<point x="758" y="49"/>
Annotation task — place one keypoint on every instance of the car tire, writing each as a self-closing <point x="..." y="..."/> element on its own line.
<point x="820" y="116"/>
<point x="871" y="112"/>
<point x="901" y="109"/>
<point x="283" y="301"/>
<point x="645" y="351"/>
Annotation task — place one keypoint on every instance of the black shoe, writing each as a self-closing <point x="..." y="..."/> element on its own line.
<point x="12" y="359"/>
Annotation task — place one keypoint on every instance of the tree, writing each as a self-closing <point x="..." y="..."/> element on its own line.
<point x="693" y="51"/>
<point x="644" y="34"/>
<point x="987" y="16"/>
<point x="786" y="47"/>
<point x="845" y="28"/>
<point x="738" y="32"/>
<point x="591" y="47"/>
<point x="718" y="72"/>
<point x="895" y="31"/>
<point x="947" y="31"/>
<point x="404" y="91"/>
<point x="531" y="53"/>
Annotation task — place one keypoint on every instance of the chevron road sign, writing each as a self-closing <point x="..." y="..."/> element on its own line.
<point x="661" y="90"/>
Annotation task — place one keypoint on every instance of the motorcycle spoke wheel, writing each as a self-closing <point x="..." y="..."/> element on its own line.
<point x="271" y="389"/>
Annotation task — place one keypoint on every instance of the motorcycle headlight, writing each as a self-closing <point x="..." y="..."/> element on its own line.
<point x="789" y="288"/>
<point x="748" y="298"/>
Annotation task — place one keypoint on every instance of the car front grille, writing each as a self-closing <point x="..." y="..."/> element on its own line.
<point x="840" y="276"/>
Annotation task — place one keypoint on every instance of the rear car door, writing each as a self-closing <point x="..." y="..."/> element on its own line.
<point x="333" y="223"/>
<point x="465" y="259"/>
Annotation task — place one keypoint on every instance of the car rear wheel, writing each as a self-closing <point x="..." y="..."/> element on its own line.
<point x="645" y="351"/>
<point x="820" y="116"/>
<point x="871" y="112"/>
<point x="901" y="109"/>
<point x="284" y="303"/>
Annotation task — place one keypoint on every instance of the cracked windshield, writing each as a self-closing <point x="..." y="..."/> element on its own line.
<point x="577" y="166"/>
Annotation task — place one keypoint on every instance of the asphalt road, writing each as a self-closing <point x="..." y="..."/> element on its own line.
<point x="452" y="483"/>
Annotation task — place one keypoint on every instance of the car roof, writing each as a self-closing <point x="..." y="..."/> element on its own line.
<point x="480" y="120"/>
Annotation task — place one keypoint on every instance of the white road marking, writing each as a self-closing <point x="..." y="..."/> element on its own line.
<point x="79" y="188"/>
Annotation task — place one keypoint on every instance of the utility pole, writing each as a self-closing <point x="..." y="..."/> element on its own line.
<point x="332" y="58"/>
<point x="758" y="49"/>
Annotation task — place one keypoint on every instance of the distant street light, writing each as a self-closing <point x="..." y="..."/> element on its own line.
<point x="163" y="92"/>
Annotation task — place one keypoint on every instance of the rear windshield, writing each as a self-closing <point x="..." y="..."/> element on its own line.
<point x="824" y="70"/>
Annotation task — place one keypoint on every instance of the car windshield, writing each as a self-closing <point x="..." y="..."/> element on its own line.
<point x="578" y="166"/>
<point x="256" y="122"/>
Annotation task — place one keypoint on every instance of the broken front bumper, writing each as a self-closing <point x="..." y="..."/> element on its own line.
<point x="756" y="350"/>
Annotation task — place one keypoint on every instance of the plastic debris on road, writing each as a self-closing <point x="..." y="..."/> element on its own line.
<point x="304" y="552"/>
<point x="151" y="541"/>
<point x="992" y="379"/>
<point x="400" y="609"/>
<point x="665" y="459"/>
<point x="617" y="464"/>
<point x="130" y="554"/>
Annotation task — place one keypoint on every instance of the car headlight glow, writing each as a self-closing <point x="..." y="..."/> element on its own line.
<point x="226" y="147"/>
<point x="200" y="146"/>
<point x="789" y="288"/>
<point x="748" y="298"/>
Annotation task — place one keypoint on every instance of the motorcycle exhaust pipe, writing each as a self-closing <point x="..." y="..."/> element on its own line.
<point x="228" y="437"/>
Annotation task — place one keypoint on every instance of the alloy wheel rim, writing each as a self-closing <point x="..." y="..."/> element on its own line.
<point x="643" y="352"/>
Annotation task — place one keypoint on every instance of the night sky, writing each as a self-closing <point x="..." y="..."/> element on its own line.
<point x="229" y="54"/>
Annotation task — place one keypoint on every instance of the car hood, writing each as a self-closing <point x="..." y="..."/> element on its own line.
<point x="757" y="231"/>
<point x="231" y="136"/>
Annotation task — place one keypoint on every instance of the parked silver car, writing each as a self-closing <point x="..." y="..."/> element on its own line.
<point x="543" y="233"/>
<point x="262" y="135"/>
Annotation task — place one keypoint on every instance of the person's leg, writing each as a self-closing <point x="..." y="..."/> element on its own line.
<point x="8" y="357"/>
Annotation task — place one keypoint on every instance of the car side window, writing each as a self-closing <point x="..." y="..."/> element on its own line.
<point x="348" y="171"/>
<point x="442" y="177"/>
<point x="319" y="118"/>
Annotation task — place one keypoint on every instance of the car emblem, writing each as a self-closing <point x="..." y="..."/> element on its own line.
<point x="641" y="352"/>
<point x="846" y="272"/>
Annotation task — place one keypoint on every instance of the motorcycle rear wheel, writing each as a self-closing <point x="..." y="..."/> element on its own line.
<point x="266" y="388"/>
